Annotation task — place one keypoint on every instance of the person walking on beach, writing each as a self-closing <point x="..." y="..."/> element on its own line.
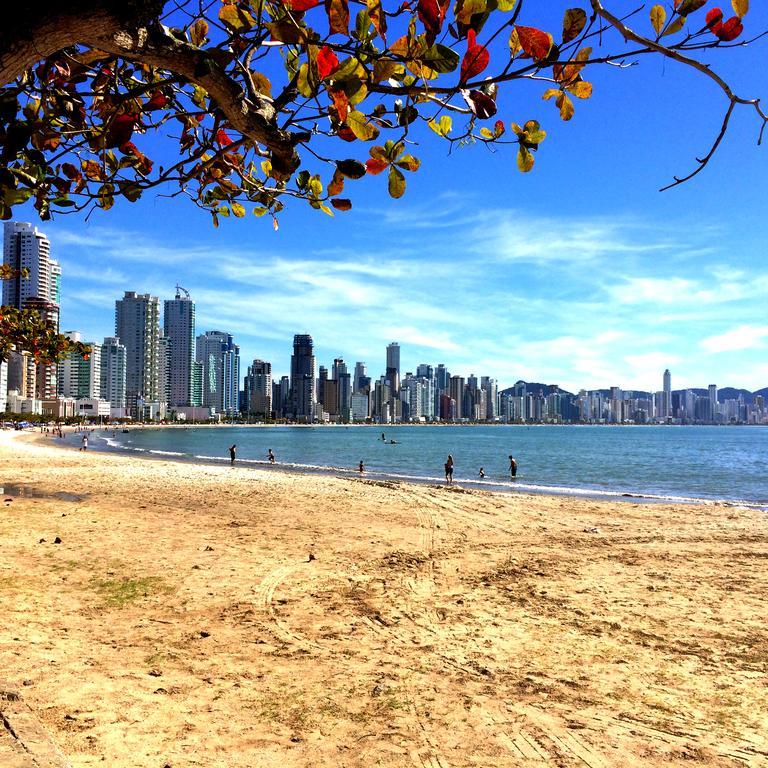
<point x="84" y="446"/>
<point x="449" y="469"/>
<point x="361" y="468"/>
<point x="232" y="455"/>
<point x="271" y="456"/>
<point x="512" y="467"/>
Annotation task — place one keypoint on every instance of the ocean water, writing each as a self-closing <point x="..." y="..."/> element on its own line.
<point x="681" y="463"/>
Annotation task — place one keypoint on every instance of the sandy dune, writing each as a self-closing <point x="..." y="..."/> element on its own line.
<point x="181" y="622"/>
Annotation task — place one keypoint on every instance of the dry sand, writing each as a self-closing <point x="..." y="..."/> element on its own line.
<point x="180" y="621"/>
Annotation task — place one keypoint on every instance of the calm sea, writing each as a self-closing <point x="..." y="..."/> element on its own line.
<point x="723" y="463"/>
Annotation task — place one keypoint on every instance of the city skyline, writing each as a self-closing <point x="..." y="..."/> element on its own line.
<point x="557" y="333"/>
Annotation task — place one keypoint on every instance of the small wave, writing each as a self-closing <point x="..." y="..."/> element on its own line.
<point x="166" y="453"/>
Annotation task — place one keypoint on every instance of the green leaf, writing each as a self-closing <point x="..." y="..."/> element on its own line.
<point x="675" y="26"/>
<point x="658" y="17"/>
<point x="259" y="211"/>
<point x="441" y="127"/>
<point x="396" y="183"/>
<point x="441" y="59"/>
<point x="359" y="125"/>
<point x="532" y="132"/>
<point x="524" y="160"/>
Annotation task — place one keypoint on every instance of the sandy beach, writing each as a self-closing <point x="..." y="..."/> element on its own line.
<point x="231" y="618"/>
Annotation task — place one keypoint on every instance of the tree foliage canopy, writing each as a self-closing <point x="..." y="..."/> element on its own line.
<point x="251" y="102"/>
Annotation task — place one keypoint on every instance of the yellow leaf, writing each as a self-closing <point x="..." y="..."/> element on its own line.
<point x="198" y="31"/>
<point x="658" y="17"/>
<point x="486" y="133"/>
<point x="550" y="93"/>
<point x="326" y="209"/>
<point x="266" y="167"/>
<point x="238" y="210"/>
<point x="675" y="26"/>
<point x="524" y="160"/>
<point x="442" y="127"/>
<point x="360" y="126"/>
<point x="514" y="42"/>
<point x="740" y="7"/>
<point x="581" y="90"/>
<point x="566" y="106"/>
<point x="259" y="211"/>
<point x="468" y="8"/>
<point x="261" y="83"/>
<point x="236" y="18"/>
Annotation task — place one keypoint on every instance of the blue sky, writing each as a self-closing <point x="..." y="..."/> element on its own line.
<point x="580" y="273"/>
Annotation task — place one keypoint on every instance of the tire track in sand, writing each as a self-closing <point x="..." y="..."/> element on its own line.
<point x="265" y="596"/>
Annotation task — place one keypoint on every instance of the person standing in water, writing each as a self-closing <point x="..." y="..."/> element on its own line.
<point x="481" y="473"/>
<point x="271" y="456"/>
<point x="232" y="455"/>
<point x="512" y="467"/>
<point x="449" y="469"/>
<point x="361" y="468"/>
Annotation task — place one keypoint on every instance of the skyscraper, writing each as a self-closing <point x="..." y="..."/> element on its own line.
<point x="392" y="377"/>
<point x="113" y="362"/>
<point x="78" y="377"/>
<point x="667" y="397"/>
<point x="137" y="325"/>
<point x="303" y="398"/>
<point x="258" y="388"/>
<point x="220" y="359"/>
<point x="179" y="328"/>
<point x="360" y="379"/>
<point x="26" y="248"/>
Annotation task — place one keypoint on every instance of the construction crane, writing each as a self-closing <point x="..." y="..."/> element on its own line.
<point x="179" y="288"/>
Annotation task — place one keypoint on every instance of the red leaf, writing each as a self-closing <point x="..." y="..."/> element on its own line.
<point x="729" y="30"/>
<point x="158" y="101"/>
<point x="327" y="62"/>
<point x="345" y="133"/>
<point x="534" y="42"/>
<point x="714" y="19"/>
<point x="301" y="5"/>
<point x="121" y="129"/>
<point x="431" y="15"/>
<point x="376" y="166"/>
<point x="476" y="59"/>
<point x="341" y="203"/>
<point x="222" y="139"/>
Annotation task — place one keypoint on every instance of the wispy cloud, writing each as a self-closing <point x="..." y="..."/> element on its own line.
<point x="741" y="337"/>
<point x="581" y="301"/>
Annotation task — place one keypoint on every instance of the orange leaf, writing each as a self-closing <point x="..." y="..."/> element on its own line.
<point x="534" y="42"/>
<point x="375" y="166"/>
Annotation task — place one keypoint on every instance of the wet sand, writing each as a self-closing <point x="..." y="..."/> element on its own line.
<point x="181" y="621"/>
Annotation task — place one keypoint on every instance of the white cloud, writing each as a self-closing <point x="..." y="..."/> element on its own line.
<point x="739" y="338"/>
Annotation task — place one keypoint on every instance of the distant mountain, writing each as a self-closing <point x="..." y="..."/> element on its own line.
<point x="532" y="388"/>
<point x="723" y="394"/>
